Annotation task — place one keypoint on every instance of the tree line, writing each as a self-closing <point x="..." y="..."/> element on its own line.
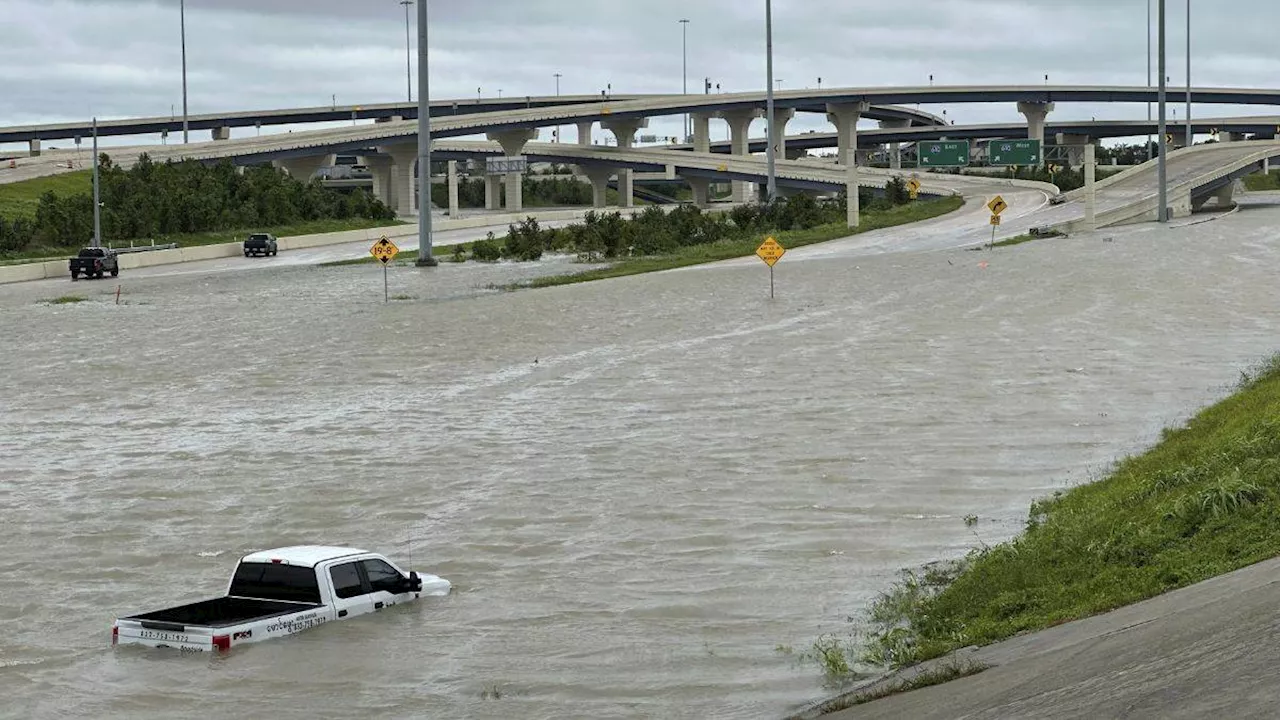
<point x="152" y="200"/>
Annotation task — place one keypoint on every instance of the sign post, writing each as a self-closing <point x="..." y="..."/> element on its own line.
<point x="996" y="206"/>
<point x="770" y="252"/>
<point x="385" y="251"/>
<point x="913" y="187"/>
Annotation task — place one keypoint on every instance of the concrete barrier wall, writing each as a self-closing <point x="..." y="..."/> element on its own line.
<point x="129" y="261"/>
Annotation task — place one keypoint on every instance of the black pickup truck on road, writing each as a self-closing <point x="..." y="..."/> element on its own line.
<point x="93" y="262"/>
<point x="260" y="244"/>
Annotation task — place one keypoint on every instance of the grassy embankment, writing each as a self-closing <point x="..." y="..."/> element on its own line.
<point x="20" y="199"/>
<point x="1259" y="182"/>
<point x="1204" y="501"/>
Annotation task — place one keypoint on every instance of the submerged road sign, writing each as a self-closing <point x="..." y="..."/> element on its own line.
<point x="384" y="250"/>
<point x="770" y="251"/>
<point x="1013" y="152"/>
<point x="944" y="153"/>
<point x="913" y="187"/>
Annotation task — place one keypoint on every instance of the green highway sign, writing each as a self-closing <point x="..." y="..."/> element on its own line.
<point x="944" y="153"/>
<point x="1014" y="152"/>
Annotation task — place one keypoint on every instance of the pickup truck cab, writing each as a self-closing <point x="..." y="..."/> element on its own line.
<point x="281" y="592"/>
<point x="261" y="244"/>
<point x="93" y="261"/>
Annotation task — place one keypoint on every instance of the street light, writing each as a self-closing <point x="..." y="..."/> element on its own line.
<point x="558" y="76"/>
<point x="1162" y="211"/>
<point x="1189" y="133"/>
<point x="1149" y="149"/>
<point x="684" y="88"/>
<point x="182" y="15"/>
<point x="408" y="63"/>
<point x="425" y="258"/>
<point x="770" y="153"/>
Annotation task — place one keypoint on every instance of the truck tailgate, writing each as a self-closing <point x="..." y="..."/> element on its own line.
<point x="163" y="635"/>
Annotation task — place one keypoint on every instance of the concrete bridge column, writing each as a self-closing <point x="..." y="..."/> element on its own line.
<point x="895" y="149"/>
<point x="599" y="176"/>
<point x="453" y="188"/>
<point x="701" y="132"/>
<point x="303" y="169"/>
<point x="1036" y="113"/>
<point x="513" y="142"/>
<point x="584" y="132"/>
<point x="380" y="167"/>
<point x="740" y="145"/>
<point x="33" y="146"/>
<point x="493" y="192"/>
<point x="781" y="116"/>
<point x="1225" y="136"/>
<point x="624" y="130"/>
<point x="1075" y="145"/>
<point x="403" y="181"/>
<point x="220" y="133"/>
<point x="845" y="117"/>
<point x="701" y="187"/>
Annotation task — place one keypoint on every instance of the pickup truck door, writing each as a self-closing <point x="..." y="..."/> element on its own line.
<point x="351" y="592"/>
<point x="385" y="582"/>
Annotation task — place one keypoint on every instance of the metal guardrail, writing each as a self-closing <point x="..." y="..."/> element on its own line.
<point x="143" y="248"/>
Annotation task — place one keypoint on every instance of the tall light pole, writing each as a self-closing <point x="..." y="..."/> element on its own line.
<point x="684" y="88"/>
<point x="1149" y="150"/>
<point x="1189" y="133"/>
<point x="772" y="186"/>
<point x="97" y="204"/>
<point x="408" y="62"/>
<point x="425" y="258"/>
<point x="558" y="76"/>
<point x="1162" y="210"/>
<point x="182" y="19"/>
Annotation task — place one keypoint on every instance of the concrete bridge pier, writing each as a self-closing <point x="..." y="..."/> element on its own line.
<point x="1075" y="145"/>
<point x="781" y="116"/>
<point x="845" y="117"/>
<point x="740" y="144"/>
<point x="453" y="188"/>
<point x="303" y="169"/>
<point x="513" y="142"/>
<point x="895" y="149"/>
<point x="220" y="133"/>
<point x="584" y="132"/>
<point x="701" y="187"/>
<point x="624" y="131"/>
<point x="380" y="168"/>
<point x="1036" y="113"/>
<point x="701" y="132"/>
<point x="403" y="180"/>
<point x="33" y="147"/>
<point x="599" y="176"/>
<point x="492" y="192"/>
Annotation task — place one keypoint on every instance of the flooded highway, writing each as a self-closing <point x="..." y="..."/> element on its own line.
<point x="640" y="488"/>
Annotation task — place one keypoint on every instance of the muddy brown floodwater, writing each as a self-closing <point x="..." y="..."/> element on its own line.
<point x="640" y="488"/>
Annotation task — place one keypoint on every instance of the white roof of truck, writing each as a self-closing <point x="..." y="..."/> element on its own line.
<point x="306" y="555"/>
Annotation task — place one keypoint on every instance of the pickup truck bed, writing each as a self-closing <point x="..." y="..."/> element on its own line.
<point x="221" y="612"/>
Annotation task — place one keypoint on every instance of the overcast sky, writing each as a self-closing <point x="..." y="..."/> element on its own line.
<point x="71" y="59"/>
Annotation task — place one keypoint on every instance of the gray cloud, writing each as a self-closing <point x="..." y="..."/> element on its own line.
<point x="69" y="59"/>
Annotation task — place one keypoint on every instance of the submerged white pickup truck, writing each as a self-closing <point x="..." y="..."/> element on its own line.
<point x="281" y="592"/>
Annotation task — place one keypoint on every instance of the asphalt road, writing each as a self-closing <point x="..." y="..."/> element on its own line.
<point x="1207" y="651"/>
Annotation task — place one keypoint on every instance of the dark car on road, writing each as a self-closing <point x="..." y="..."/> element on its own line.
<point x="93" y="262"/>
<point x="260" y="244"/>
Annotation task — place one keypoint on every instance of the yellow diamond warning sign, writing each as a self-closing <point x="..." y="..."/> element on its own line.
<point x="384" y="250"/>
<point x="770" y="251"/>
<point x="997" y="205"/>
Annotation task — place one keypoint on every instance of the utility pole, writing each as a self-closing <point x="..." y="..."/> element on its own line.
<point x="97" y="204"/>
<point x="408" y="62"/>
<point x="1190" y="135"/>
<point x="558" y="76"/>
<point x="425" y="258"/>
<point x="1149" y="149"/>
<point x="182" y="16"/>
<point x="1162" y="211"/>
<point x="684" y="88"/>
<point x="770" y="152"/>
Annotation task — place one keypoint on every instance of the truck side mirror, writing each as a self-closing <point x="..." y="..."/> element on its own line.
<point x="415" y="582"/>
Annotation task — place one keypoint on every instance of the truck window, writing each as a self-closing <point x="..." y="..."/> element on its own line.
<point x="276" y="581"/>
<point x="346" y="580"/>
<point x="383" y="577"/>
<point x="92" y="252"/>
